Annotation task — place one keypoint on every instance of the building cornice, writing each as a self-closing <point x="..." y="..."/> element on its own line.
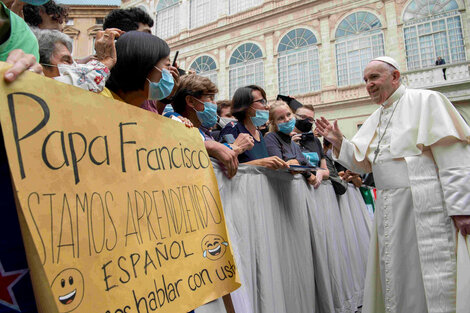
<point x="270" y="9"/>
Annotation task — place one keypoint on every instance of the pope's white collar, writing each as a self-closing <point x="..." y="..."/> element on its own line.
<point x="395" y="96"/>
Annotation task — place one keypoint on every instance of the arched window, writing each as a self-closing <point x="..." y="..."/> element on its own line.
<point x="432" y="29"/>
<point x="246" y="67"/>
<point x="236" y="6"/>
<point x="358" y="40"/>
<point x="298" y="64"/>
<point x="205" y="66"/>
<point x="202" y="12"/>
<point x="167" y="24"/>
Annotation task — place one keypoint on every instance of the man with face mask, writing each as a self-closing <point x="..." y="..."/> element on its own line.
<point x="417" y="146"/>
<point x="224" y="117"/>
<point x="223" y="111"/>
<point x="309" y="144"/>
<point x="194" y="100"/>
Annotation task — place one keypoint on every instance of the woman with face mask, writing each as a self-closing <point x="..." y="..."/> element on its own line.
<point x="143" y="70"/>
<point x="249" y="107"/>
<point x="195" y="100"/>
<point x="278" y="140"/>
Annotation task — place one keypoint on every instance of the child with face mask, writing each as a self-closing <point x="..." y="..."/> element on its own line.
<point x="279" y="142"/>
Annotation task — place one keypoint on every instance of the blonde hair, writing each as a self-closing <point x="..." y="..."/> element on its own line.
<point x="272" y="109"/>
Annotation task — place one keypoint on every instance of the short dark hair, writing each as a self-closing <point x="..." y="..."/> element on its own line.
<point x="242" y="99"/>
<point x="127" y="19"/>
<point x="137" y="54"/>
<point x="192" y="85"/>
<point x="141" y="16"/>
<point x="33" y="18"/>
<point x="222" y="104"/>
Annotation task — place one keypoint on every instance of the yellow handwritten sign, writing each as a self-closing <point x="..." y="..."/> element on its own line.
<point x="122" y="205"/>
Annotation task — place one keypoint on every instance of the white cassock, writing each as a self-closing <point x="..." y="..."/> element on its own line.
<point x="422" y="174"/>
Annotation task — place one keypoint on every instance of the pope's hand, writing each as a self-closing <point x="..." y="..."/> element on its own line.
<point x="462" y="222"/>
<point x="330" y="131"/>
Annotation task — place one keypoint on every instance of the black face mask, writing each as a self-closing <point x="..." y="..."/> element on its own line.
<point x="304" y="125"/>
<point x="263" y="129"/>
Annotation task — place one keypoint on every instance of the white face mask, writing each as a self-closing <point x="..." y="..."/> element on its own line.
<point x="223" y="121"/>
<point x="63" y="68"/>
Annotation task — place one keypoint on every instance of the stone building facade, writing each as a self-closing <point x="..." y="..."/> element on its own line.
<point x="316" y="50"/>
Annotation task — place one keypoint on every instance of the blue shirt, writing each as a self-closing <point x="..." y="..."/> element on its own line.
<point x="259" y="150"/>
<point x="281" y="145"/>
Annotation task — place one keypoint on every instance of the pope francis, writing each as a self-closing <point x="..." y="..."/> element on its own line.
<point x="418" y="147"/>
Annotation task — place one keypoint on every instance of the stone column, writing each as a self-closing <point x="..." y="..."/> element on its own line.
<point x="326" y="56"/>
<point x="222" y="74"/>
<point x="270" y="68"/>
<point x="394" y="41"/>
<point x="327" y="61"/>
<point x="184" y="15"/>
<point x="466" y="27"/>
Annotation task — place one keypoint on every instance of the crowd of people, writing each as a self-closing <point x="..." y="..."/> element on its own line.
<point x="133" y="66"/>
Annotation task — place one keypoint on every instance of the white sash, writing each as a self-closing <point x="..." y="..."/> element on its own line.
<point x="435" y="234"/>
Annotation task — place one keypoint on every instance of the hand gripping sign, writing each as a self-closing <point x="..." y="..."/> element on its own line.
<point x="114" y="201"/>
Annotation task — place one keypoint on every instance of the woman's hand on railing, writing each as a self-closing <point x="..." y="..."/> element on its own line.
<point x="273" y="162"/>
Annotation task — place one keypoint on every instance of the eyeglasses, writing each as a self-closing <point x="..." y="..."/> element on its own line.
<point x="263" y="102"/>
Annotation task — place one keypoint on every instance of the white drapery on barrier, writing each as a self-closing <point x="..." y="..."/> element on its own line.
<point x="298" y="249"/>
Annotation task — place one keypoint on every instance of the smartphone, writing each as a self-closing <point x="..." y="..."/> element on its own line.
<point x="229" y="138"/>
<point x="176" y="57"/>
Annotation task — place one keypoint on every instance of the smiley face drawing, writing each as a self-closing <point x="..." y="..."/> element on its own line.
<point x="213" y="247"/>
<point x="68" y="289"/>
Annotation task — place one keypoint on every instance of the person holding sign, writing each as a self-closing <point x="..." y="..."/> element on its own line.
<point x="417" y="146"/>
<point x="18" y="45"/>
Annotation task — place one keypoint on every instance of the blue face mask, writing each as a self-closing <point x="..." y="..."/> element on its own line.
<point x="208" y="117"/>
<point x="287" y="127"/>
<point x="261" y="118"/>
<point x="162" y="89"/>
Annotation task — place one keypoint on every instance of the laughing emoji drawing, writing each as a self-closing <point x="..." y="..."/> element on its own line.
<point x="213" y="247"/>
<point x="68" y="289"/>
